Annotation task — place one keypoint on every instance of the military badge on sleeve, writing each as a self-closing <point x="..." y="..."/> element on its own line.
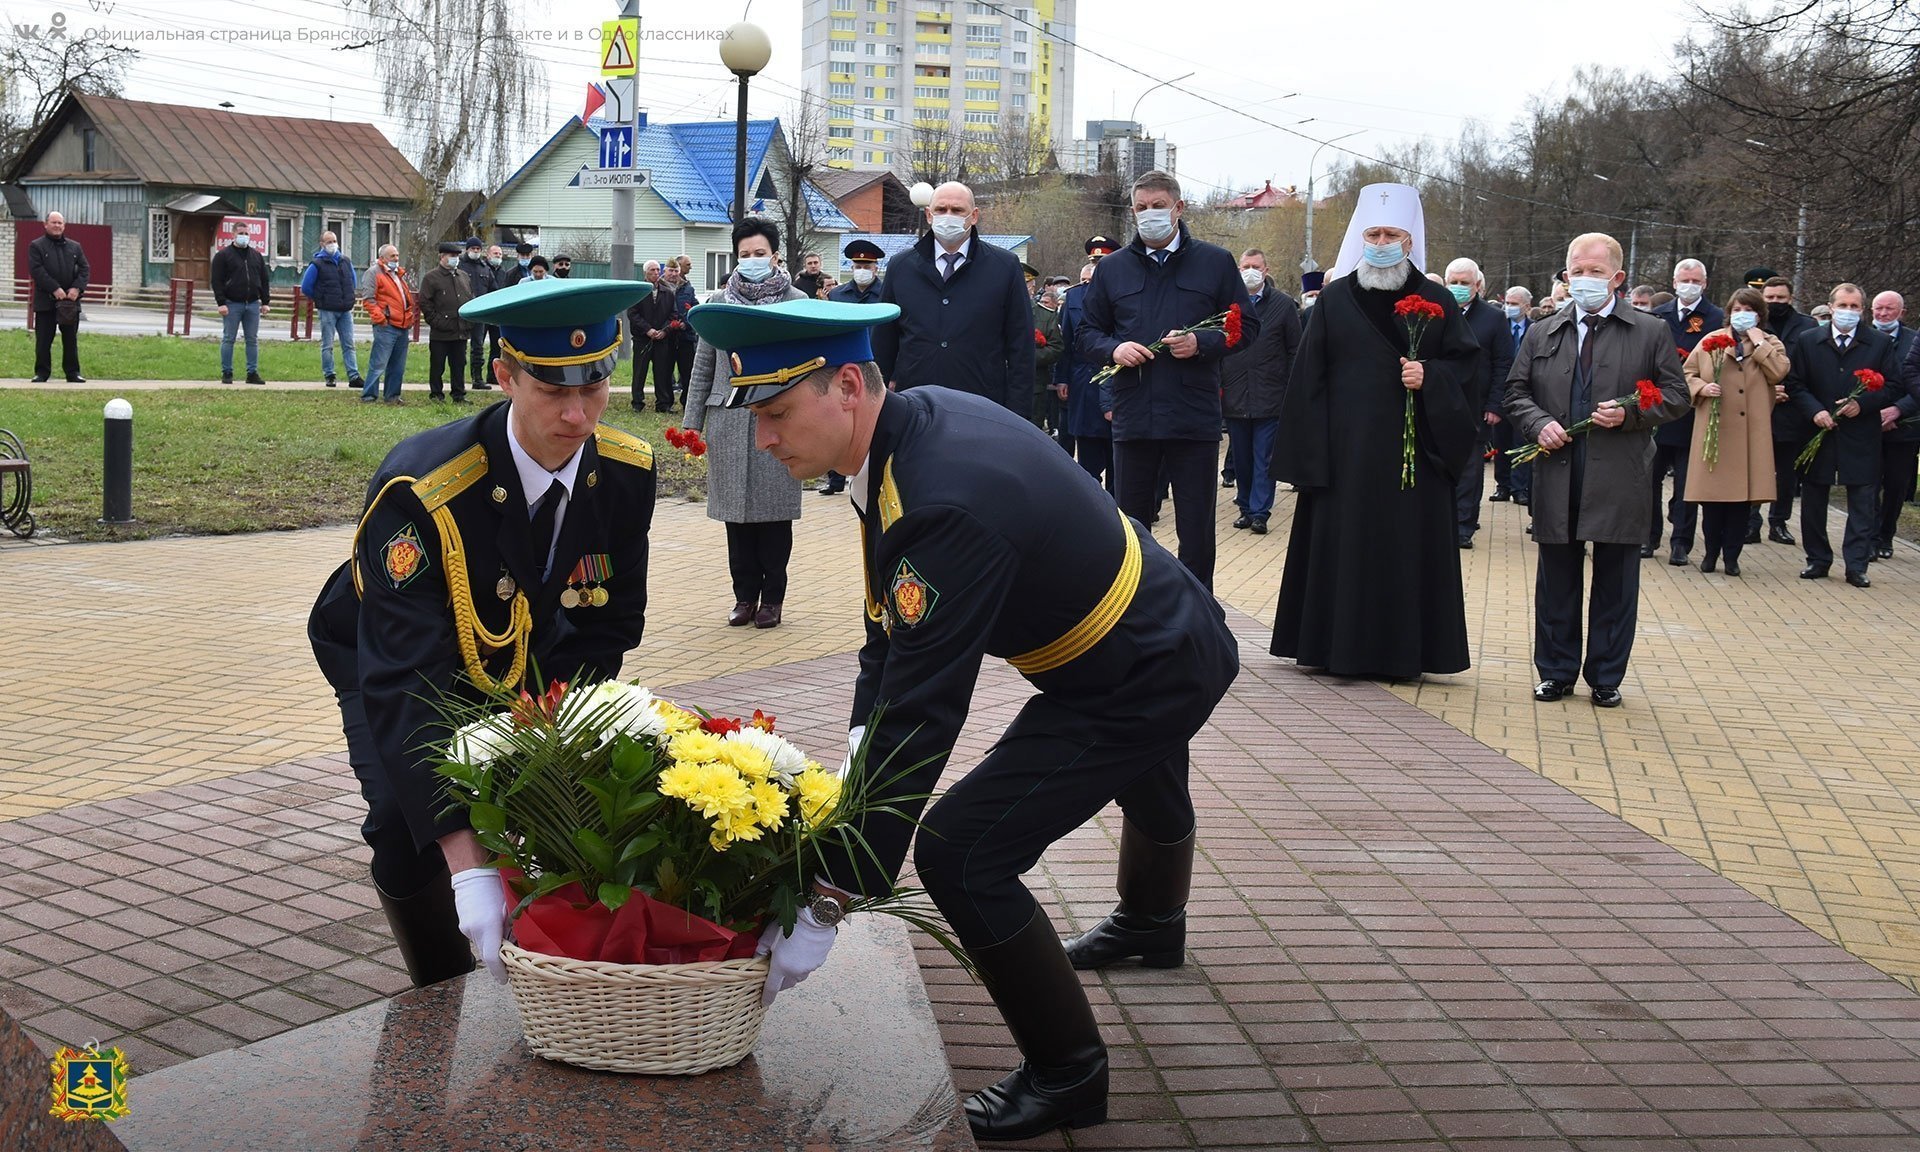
<point x="404" y="557"/>
<point x="913" y="598"/>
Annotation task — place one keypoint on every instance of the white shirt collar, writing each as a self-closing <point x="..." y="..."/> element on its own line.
<point x="534" y="478"/>
<point x="857" y="487"/>
<point x="1173" y="245"/>
<point x="965" y="251"/>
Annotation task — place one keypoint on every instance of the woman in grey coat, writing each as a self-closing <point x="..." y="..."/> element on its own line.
<point x="748" y="490"/>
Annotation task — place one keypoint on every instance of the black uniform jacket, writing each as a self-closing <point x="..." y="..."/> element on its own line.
<point x="960" y="565"/>
<point x="397" y="642"/>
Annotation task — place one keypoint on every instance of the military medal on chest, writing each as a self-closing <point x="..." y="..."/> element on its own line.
<point x="587" y="584"/>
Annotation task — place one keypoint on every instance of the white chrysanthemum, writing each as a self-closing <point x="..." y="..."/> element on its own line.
<point x="483" y="741"/>
<point x="615" y="706"/>
<point x="787" y="760"/>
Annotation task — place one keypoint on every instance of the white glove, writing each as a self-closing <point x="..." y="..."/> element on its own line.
<point x="795" y="955"/>
<point x="482" y="904"/>
<point x="854" y="735"/>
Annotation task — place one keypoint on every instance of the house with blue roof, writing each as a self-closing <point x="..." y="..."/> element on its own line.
<point x="684" y="210"/>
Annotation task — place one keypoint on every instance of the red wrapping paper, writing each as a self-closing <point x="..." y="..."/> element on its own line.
<point x="643" y="931"/>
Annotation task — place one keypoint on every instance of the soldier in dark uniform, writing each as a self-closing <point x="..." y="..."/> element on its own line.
<point x="1127" y="651"/>
<point x="512" y="541"/>
<point x="862" y="288"/>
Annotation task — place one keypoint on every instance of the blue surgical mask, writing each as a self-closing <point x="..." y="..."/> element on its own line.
<point x="1514" y="311"/>
<point x="1845" y="319"/>
<point x="1383" y="255"/>
<point x="1155" y="224"/>
<point x="1742" y="321"/>
<point x="754" y="269"/>
<point x="526" y="262"/>
<point x="1590" y="292"/>
<point x="242" y="240"/>
<point x="1461" y="293"/>
<point x="1887" y="326"/>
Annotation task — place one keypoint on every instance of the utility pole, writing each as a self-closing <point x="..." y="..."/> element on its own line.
<point x="1307" y="262"/>
<point x="1800" y="251"/>
<point x="621" y="258"/>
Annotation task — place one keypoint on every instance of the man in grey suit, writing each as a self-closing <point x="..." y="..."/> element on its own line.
<point x="1591" y="488"/>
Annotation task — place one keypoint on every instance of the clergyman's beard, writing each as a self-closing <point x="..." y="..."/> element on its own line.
<point x="1381" y="279"/>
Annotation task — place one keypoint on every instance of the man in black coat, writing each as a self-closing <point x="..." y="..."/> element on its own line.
<point x="242" y="289"/>
<point x="58" y="269"/>
<point x="1511" y="481"/>
<point x="1821" y="384"/>
<point x="1165" y="404"/>
<point x="505" y="524"/>
<point x="522" y="268"/>
<point x="1899" y="442"/>
<point x="651" y="322"/>
<point x="1253" y="382"/>
<point x="1489" y="383"/>
<point x="1790" y="428"/>
<point x="965" y="319"/>
<point x="482" y="278"/>
<point x="1690" y="316"/>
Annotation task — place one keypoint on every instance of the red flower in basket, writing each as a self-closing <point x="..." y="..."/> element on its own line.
<point x="720" y="725"/>
<point x="530" y="711"/>
<point x="1231" y="325"/>
<point x="761" y="721"/>
<point x="1039" y="338"/>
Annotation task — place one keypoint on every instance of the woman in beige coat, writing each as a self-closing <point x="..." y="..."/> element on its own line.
<point x="1744" y="382"/>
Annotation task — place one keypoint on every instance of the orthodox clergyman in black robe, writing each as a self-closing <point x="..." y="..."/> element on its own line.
<point x="1372" y="580"/>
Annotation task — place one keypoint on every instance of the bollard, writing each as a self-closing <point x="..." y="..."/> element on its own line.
<point x="116" y="500"/>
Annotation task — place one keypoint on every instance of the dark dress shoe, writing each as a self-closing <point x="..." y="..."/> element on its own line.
<point x="1500" y="496"/>
<point x="39" y="379"/>
<point x="1646" y="551"/>
<point x="1814" y="572"/>
<point x="1859" y="580"/>
<point x="480" y="387"/>
<point x="1678" y="558"/>
<point x="741" y="615"/>
<point x="1548" y="691"/>
<point x="1259" y="525"/>
<point x="1467" y="543"/>
<point x="830" y="491"/>
<point x="1606" y="698"/>
<point x="76" y="379"/>
<point x="1226" y="479"/>
<point x="1242" y="520"/>
<point x="226" y="377"/>
<point x="1524" y="499"/>
<point x="1883" y="553"/>
<point x="1778" y="534"/>
<point x="1733" y="568"/>
<point x="254" y="378"/>
<point x="1753" y="536"/>
<point x="1707" y="564"/>
<point x="767" y="617"/>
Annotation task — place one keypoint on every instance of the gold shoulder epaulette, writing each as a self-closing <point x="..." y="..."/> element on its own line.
<point x="623" y="446"/>
<point x="452" y="478"/>
<point x="890" y="507"/>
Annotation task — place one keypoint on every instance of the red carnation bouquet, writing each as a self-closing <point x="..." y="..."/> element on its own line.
<point x="1228" y="322"/>
<point x="1866" y="380"/>
<point x="688" y="441"/>
<point x="1646" y="394"/>
<point x="1416" y="312"/>
<point x="1717" y="346"/>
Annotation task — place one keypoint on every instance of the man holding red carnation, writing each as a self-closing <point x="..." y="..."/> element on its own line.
<point x="1603" y="362"/>
<point x="1838" y="378"/>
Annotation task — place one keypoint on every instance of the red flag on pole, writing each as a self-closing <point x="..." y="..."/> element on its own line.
<point x="595" y="98"/>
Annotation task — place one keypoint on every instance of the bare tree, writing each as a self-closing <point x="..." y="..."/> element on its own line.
<point x="37" y="71"/>
<point x="1020" y="148"/>
<point x="804" y="154"/>
<point x="936" y="153"/>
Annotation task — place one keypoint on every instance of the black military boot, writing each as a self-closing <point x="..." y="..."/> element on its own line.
<point x="1151" y="920"/>
<point x="426" y="926"/>
<point x="1062" y="1080"/>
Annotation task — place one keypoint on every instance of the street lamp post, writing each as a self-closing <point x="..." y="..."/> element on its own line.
<point x="1133" y="168"/>
<point x="1307" y="262"/>
<point x="745" y="52"/>
<point x="922" y="196"/>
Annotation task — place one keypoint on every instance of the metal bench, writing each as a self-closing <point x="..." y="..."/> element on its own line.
<point x="16" y="486"/>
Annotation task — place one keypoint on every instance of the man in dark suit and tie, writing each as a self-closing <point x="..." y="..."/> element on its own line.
<point x="1790" y="427"/>
<point x="1899" y="443"/>
<point x="1591" y="488"/>
<point x="1690" y="316"/>
<point x="1489" y="384"/>
<point x="1511" y="481"/>
<point x="1821" y="384"/>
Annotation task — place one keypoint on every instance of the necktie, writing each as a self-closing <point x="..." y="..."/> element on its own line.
<point x="1843" y="342"/>
<point x="1516" y="333"/>
<point x="1160" y="257"/>
<point x="952" y="259"/>
<point x="1583" y="380"/>
<point x="540" y="532"/>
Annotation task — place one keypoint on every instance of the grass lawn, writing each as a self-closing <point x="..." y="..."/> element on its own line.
<point x="214" y="461"/>
<point x="194" y="358"/>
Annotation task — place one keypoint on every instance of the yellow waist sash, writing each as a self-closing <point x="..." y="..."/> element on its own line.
<point x="1100" y="621"/>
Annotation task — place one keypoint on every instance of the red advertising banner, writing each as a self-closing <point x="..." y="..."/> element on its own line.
<point x="230" y="226"/>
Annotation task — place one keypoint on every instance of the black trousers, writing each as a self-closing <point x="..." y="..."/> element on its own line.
<point x="757" y="556"/>
<point x="1095" y="454"/>
<point x="683" y="351"/>
<point x="446" y="355"/>
<point x="45" y="324"/>
<point x="1051" y="772"/>
<point x="1471" y="486"/>
<point x="1683" y="516"/>
<point x="1723" y="530"/>
<point x="1611" y="612"/>
<point x="1188" y="465"/>
<point x="484" y="341"/>
<point x="1898" y="465"/>
<point x="1856" y="542"/>
<point x="657" y="357"/>
<point x="1508" y="476"/>
<point x="400" y="869"/>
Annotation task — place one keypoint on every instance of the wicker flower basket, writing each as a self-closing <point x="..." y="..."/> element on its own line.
<point x="663" y="1019"/>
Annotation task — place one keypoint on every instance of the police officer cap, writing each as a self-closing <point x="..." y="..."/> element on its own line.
<point x="1029" y="269"/>
<point x="1757" y="277"/>
<point x="449" y="248"/>
<point x="775" y="346"/>
<point x="864" y="250"/>
<point x="1101" y="246"/>
<point x="566" y="332"/>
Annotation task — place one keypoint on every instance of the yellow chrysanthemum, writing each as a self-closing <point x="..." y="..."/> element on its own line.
<point x="742" y="825"/>
<point x="769" y="804"/>
<point x="695" y="747"/>
<point x="713" y="790"/>
<point x="819" y="791"/>
<point x="677" y="719"/>
<point x="749" y="761"/>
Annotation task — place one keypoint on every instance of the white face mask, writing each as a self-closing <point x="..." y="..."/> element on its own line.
<point x="1252" y="278"/>
<point x="950" y="228"/>
<point x="449" y="261"/>
<point x="1688" y="293"/>
<point x="1155" y="224"/>
<point x="1591" y="291"/>
<point x="1846" y="319"/>
<point x="494" y="261"/>
<point x="863" y="276"/>
<point x="754" y="269"/>
<point x="330" y="249"/>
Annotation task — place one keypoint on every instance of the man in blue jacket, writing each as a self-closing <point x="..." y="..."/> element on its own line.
<point x="330" y="282"/>
<point x="966" y="321"/>
<point x="1165" y="404"/>
<point x="1690" y="316"/>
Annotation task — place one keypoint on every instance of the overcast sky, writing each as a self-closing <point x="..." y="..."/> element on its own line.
<point x="1283" y="63"/>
